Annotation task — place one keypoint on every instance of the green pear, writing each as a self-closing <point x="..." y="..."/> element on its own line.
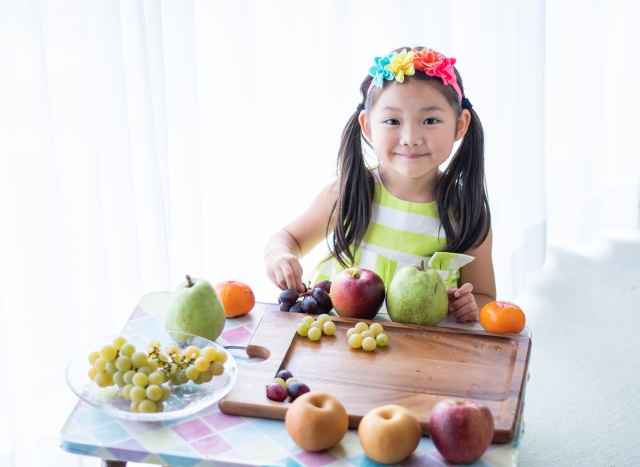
<point x="195" y="308"/>
<point x="417" y="295"/>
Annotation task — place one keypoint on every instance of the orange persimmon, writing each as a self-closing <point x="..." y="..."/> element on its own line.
<point x="502" y="316"/>
<point x="237" y="297"/>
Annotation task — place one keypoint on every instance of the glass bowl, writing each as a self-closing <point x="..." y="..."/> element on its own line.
<point x="185" y="399"/>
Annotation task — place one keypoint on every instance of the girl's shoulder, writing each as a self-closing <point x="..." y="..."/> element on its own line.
<point x="327" y="197"/>
<point x="331" y="189"/>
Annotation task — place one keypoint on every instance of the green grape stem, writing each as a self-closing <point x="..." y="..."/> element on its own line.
<point x="172" y="365"/>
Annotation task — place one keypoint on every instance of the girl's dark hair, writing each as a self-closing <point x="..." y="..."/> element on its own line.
<point x="352" y="209"/>
<point x="461" y="193"/>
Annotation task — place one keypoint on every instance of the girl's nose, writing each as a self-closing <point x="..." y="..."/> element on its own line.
<point x="411" y="136"/>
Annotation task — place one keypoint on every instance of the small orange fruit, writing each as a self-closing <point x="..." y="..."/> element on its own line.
<point x="237" y="297"/>
<point x="502" y="316"/>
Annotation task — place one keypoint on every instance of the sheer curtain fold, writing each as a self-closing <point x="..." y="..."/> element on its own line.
<point x="148" y="197"/>
<point x="34" y="267"/>
<point x="500" y="52"/>
<point x="591" y="146"/>
<point x="144" y="140"/>
<point x="185" y="222"/>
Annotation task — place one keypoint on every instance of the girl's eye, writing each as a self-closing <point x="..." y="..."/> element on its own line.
<point x="431" y="121"/>
<point x="392" y="121"/>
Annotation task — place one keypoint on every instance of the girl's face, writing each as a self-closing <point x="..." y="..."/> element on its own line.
<point x="412" y="128"/>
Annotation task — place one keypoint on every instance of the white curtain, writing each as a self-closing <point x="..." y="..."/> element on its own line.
<point x="500" y="46"/>
<point x="591" y="118"/>
<point x="143" y="140"/>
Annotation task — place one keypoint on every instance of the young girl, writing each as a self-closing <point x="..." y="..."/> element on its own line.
<point x="404" y="209"/>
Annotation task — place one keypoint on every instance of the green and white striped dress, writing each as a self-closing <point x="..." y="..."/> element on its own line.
<point x="401" y="233"/>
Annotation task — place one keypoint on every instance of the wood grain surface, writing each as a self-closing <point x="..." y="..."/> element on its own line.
<point x="420" y="366"/>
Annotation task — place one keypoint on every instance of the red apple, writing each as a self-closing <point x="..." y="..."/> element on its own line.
<point x="357" y="293"/>
<point x="461" y="429"/>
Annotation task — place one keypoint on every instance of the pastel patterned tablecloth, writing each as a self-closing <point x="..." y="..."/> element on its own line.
<point x="212" y="438"/>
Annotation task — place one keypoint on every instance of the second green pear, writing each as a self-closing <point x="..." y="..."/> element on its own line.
<point x="417" y="295"/>
<point x="195" y="308"/>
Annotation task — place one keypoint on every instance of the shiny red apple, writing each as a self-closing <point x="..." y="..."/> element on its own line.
<point x="461" y="429"/>
<point x="357" y="293"/>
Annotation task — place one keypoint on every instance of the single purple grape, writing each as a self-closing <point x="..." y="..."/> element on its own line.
<point x="284" y="374"/>
<point x="297" y="389"/>
<point x="309" y="305"/>
<point x="285" y="307"/>
<point x="296" y="308"/>
<point x="276" y="392"/>
<point x="322" y="297"/>
<point x="325" y="285"/>
<point x="288" y="296"/>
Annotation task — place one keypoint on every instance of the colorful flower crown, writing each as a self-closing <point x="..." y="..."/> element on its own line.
<point x="397" y="65"/>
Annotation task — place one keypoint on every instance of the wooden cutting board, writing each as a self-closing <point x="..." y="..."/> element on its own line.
<point x="420" y="366"/>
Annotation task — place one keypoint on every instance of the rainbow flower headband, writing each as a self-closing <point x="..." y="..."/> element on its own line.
<point x="397" y="65"/>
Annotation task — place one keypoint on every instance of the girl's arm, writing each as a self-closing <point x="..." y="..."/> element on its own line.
<point x="476" y="277"/>
<point x="296" y="239"/>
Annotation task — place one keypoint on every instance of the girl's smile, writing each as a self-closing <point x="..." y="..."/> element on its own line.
<point x="412" y="156"/>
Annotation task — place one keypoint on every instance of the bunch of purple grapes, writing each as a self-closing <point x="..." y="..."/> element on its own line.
<point x="314" y="301"/>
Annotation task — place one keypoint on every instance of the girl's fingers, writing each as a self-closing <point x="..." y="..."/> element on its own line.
<point x="471" y="316"/>
<point x="293" y="276"/>
<point x="465" y="289"/>
<point x="279" y="280"/>
<point x="468" y="298"/>
<point x="451" y="294"/>
<point x="298" y="284"/>
<point x="462" y="304"/>
<point x="286" y="273"/>
<point x="466" y="309"/>
<point x="288" y="279"/>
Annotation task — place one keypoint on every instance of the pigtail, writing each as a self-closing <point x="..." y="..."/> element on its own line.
<point x="352" y="209"/>
<point x="461" y="193"/>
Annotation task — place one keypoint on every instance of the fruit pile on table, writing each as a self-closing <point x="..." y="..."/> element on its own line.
<point x="461" y="429"/>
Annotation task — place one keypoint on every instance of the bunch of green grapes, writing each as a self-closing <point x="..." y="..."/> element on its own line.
<point x="141" y="376"/>
<point x="367" y="337"/>
<point x="313" y="328"/>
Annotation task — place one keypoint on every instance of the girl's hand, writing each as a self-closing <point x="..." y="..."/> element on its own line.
<point x="285" y="271"/>
<point x="462" y="304"/>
